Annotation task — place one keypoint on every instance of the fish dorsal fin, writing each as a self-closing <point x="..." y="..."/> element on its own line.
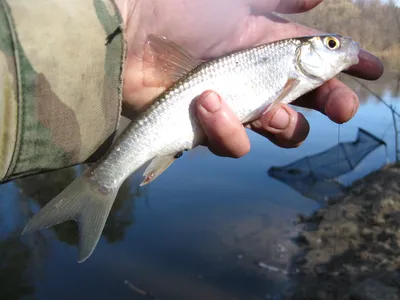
<point x="169" y="60"/>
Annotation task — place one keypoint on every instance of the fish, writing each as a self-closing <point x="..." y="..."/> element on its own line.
<point x="251" y="81"/>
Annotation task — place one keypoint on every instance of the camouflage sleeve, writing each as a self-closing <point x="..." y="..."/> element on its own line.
<point x="60" y="82"/>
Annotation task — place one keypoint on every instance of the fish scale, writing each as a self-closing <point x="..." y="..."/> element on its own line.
<point x="250" y="81"/>
<point x="247" y="87"/>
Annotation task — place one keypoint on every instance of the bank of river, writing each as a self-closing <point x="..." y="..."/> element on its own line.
<point x="351" y="247"/>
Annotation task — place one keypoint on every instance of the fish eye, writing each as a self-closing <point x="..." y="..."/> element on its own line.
<point x="332" y="43"/>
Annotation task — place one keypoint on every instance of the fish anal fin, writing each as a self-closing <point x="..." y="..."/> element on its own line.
<point x="157" y="166"/>
<point x="165" y="61"/>
<point x="289" y="86"/>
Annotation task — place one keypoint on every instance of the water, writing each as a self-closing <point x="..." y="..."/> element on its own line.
<point x="198" y="232"/>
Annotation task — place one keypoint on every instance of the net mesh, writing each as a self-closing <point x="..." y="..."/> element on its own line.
<point x="315" y="176"/>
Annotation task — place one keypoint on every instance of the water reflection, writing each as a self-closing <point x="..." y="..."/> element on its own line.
<point x="201" y="230"/>
<point x="42" y="188"/>
<point x="387" y="85"/>
<point x="22" y="259"/>
<point x="15" y="259"/>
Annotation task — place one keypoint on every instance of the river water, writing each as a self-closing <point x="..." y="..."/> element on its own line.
<point x="208" y="228"/>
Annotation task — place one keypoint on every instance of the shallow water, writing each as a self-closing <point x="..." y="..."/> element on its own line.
<point x="197" y="232"/>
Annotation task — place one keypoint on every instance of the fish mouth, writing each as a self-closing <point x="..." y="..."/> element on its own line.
<point x="352" y="54"/>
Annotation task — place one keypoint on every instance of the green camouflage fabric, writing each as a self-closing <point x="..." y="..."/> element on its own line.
<point x="61" y="65"/>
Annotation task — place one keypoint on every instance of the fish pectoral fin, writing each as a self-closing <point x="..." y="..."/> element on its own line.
<point x="157" y="166"/>
<point x="169" y="60"/>
<point x="289" y="86"/>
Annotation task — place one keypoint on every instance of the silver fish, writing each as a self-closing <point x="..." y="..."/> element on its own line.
<point x="251" y="81"/>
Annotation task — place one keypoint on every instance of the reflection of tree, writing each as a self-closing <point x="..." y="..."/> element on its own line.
<point x="43" y="187"/>
<point x="388" y="84"/>
<point x="121" y="215"/>
<point x="15" y="258"/>
<point x="19" y="258"/>
<point x="22" y="257"/>
<point x="18" y="261"/>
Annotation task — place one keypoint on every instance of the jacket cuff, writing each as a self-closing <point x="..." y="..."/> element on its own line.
<point x="61" y="67"/>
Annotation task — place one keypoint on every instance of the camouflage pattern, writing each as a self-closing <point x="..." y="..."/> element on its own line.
<point x="60" y="82"/>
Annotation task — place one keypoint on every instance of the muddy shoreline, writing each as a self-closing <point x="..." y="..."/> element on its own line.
<point x="351" y="247"/>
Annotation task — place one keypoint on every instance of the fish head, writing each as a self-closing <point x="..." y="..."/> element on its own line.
<point x="324" y="56"/>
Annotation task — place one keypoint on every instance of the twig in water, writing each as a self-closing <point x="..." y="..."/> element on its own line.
<point x="139" y="291"/>
<point x="271" y="268"/>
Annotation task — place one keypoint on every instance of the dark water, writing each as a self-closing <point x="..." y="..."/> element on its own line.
<point x="197" y="232"/>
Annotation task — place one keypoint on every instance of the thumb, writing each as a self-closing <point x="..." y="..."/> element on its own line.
<point x="282" y="6"/>
<point x="226" y="135"/>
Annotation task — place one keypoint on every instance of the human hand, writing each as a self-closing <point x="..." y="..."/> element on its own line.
<point x="208" y="29"/>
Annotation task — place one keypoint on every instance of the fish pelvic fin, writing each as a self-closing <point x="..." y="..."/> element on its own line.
<point x="83" y="202"/>
<point x="290" y="85"/>
<point x="157" y="166"/>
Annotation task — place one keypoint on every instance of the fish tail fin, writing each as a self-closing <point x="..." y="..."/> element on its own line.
<point x="83" y="202"/>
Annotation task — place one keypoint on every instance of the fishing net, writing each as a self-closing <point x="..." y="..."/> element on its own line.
<point x="316" y="176"/>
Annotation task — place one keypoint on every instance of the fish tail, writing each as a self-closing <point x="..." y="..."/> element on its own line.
<point x="82" y="201"/>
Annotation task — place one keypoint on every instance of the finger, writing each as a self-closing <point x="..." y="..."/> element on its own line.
<point x="283" y="126"/>
<point x="369" y="66"/>
<point x="282" y="6"/>
<point x="334" y="99"/>
<point x="296" y="6"/>
<point x="226" y="135"/>
<point x="272" y="27"/>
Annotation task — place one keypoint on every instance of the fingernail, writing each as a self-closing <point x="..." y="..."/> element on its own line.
<point x="211" y="102"/>
<point x="257" y="124"/>
<point x="355" y="106"/>
<point x="280" y="120"/>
